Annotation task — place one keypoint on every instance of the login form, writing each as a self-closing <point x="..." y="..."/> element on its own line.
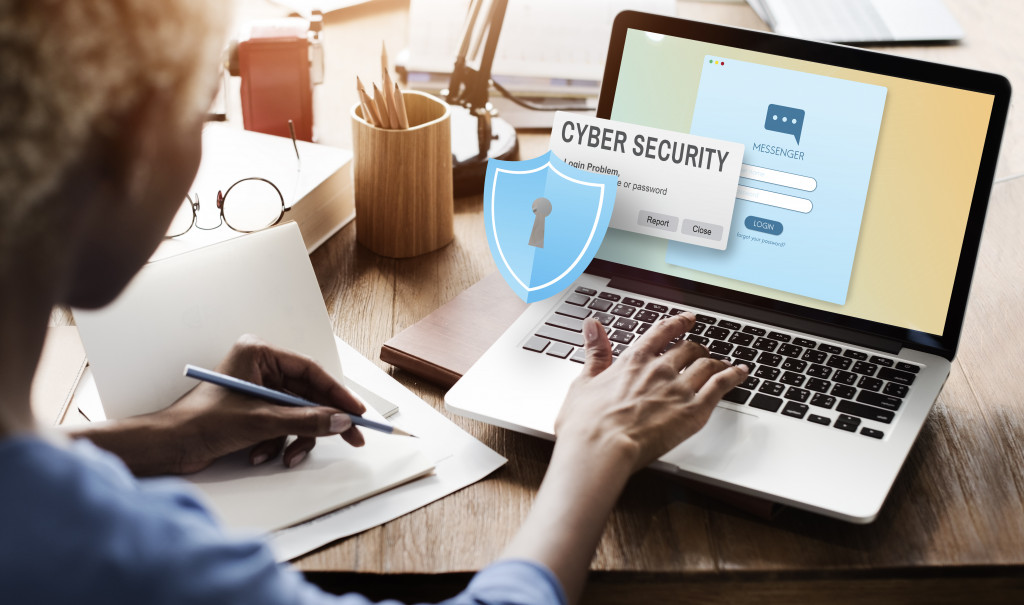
<point x="809" y="147"/>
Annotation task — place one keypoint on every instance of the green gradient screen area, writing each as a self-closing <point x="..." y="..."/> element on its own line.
<point x="918" y="195"/>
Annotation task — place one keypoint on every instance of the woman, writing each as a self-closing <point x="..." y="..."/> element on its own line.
<point x="100" y="118"/>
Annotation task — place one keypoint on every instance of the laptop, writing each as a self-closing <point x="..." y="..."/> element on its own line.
<point x="847" y="306"/>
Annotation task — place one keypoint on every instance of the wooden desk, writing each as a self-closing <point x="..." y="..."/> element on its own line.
<point x="952" y="530"/>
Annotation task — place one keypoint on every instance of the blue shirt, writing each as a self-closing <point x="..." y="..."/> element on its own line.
<point x="77" y="527"/>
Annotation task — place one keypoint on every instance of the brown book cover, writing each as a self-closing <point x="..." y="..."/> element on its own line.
<point x="442" y="347"/>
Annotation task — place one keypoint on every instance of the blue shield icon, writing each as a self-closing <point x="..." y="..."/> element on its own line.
<point x="545" y="221"/>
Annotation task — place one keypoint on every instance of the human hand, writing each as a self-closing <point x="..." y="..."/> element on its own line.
<point x="210" y="422"/>
<point x="645" y="404"/>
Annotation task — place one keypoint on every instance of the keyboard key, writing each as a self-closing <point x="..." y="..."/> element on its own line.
<point x="907" y="367"/>
<point x="698" y="328"/>
<point x="819" y="371"/>
<point x="536" y="344"/>
<point x="882" y="361"/>
<point x="858" y="355"/>
<point x="865" y="368"/>
<point x="823" y="401"/>
<point x="722" y="348"/>
<point x="600" y="305"/>
<point x="865" y="411"/>
<point x="767" y="372"/>
<point x="744" y="353"/>
<point x="560" y="335"/>
<point x="737" y="395"/>
<point x="625" y="324"/>
<point x="883" y="401"/>
<point x="755" y="330"/>
<point x="698" y="339"/>
<point x="750" y="383"/>
<point x="803" y="342"/>
<point x="830" y="349"/>
<point x="720" y="357"/>
<point x="816" y="419"/>
<point x="577" y="299"/>
<point x="586" y="291"/>
<point x="619" y="350"/>
<point x="634" y="302"/>
<point x="813" y="356"/>
<point x="568" y="323"/>
<point x="796" y="410"/>
<point x="792" y="378"/>
<point x="896" y="390"/>
<point x="836" y="361"/>
<point x="606" y="319"/>
<point x="705" y="319"/>
<point x="622" y="336"/>
<point x="872" y="433"/>
<point x="843" y="391"/>
<point x="869" y="383"/>
<point x="794" y="365"/>
<point x="657" y="308"/>
<point x="765" y="402"/>
<point x="741" y="338"/>
<point x="779" y="336"/>
<point x="844" y="377"/>
<point x="571" y="311"/>
<point x="819" y="385"/>
<point x="623" y="310"/>
<point x="729" y="325"/>
<point x="769" y="359"/>
<point x="796" y="394"/>
<point x="790" y="350"/>
<point x="765" y="344"/>
<point x="896" y="376"/>
<point x="559" y="350"/>
<point x="846" y="425"/>
<point x="675" y="311"/>
<point x="648" y="316"/>
<point x="772" y="388"/>
<point x="580" y="356"/>
<point x="643" y="328"/>
<point x="609" y="296"/>
<point x="716" y="333"/>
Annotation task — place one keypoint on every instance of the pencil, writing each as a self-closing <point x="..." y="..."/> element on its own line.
<point x="279" y="398"/>
<point x="403" y="117"/>
<point x="370" y="112"/>
<point x="382" y="108"/>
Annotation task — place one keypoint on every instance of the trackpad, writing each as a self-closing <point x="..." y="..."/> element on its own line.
<point x="729" y="435"/>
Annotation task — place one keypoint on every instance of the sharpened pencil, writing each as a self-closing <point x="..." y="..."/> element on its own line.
<point x="403" y="116"/>
<point x="382" y="108"/>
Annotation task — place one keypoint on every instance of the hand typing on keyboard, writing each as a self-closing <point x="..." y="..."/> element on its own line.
<point x="658" y="393"/>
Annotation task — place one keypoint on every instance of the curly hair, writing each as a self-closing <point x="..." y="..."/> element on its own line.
<point x="68" y="68"/>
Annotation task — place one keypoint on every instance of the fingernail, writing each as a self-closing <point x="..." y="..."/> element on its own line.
<point x="340" y="423"/>
<point x="744" y="368"/>
<point x="297" y="459"/>
<point x="590" y="331"/>
<point x="260" y="459"/>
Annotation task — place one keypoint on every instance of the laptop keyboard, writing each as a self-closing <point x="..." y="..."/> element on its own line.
<point x="803" y="378"/>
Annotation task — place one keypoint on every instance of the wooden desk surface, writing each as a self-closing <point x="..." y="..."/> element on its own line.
<point x="956" y="509"/>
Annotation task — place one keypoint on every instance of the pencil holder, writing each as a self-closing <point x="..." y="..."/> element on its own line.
<point x="403" y="180"/>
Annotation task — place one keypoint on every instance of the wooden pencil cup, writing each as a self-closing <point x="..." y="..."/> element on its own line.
<point x="403" y="180"/>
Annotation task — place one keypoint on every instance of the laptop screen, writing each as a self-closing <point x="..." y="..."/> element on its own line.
<point x="855" y="188"/>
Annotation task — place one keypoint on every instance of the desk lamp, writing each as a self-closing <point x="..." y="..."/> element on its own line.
<point x="477" y="133"/>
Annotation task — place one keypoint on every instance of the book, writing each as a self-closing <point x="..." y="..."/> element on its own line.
<point x="316" y="185"/>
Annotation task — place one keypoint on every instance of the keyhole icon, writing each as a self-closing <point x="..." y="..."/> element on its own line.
<point x="541" y="208"/>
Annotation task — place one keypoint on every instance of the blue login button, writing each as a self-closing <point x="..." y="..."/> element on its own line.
<point x="756" y="223"/>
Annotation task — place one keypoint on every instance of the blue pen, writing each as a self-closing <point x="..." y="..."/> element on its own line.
<point x="261" y="392"/>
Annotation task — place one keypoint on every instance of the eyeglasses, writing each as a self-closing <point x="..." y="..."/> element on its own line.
<point x="251" y="204"/>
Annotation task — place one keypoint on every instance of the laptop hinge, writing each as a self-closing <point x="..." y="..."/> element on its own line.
<point x="791" y="322"/>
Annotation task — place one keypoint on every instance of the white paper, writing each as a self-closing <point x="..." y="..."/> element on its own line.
<point x="468" y="462"/>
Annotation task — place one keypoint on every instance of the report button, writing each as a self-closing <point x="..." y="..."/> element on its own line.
<point x="658" y="221"/>
<point x="756" y="223"/>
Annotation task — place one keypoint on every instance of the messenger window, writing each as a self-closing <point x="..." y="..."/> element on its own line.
<point x="809" y="146"/>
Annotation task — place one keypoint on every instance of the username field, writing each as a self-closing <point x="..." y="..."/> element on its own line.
<point x="777" y="177"/>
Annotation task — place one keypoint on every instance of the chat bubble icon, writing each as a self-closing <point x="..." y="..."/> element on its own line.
<point x="787" y="120"/>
